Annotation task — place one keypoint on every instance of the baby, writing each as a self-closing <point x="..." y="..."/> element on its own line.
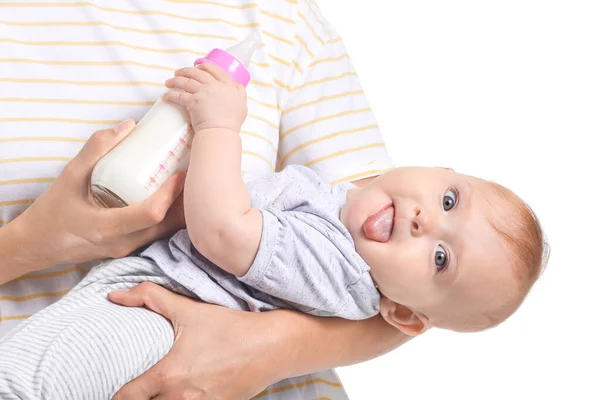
<point x="424" y="247"/>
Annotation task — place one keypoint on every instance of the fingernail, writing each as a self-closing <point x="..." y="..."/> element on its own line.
<point x="124" y="126"/>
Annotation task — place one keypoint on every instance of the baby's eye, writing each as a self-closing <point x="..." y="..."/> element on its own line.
<point x="449" y="200"/>
<point x="441" y="258"/>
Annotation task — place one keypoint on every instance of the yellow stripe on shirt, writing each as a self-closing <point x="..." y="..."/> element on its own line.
<point x="33" y="159"/>
<point x="323" y="138"/>
<point x="214" y="3"/>
<point x="303" y="18"/>
<point x="303" y="43"/>
<point x="329" y="59"/>
<point x="116" y="27"/>
<point x="297" y="66"/>
<point x="26" y="181"/>
<point x="14" y="317"/>
<point x="103" y="102"/>
<point x="83" y="83"/>
<point x="52" y="274"/>
<point x="315" y="82"/>
<point x="131" y="12"/>
<point x="279" y="60"/>
<point x="277" y="16"/>
<point x="98" y="43"/>
<point x="102" y="83"/>
<point x="310" y="7"/>
<point x="321" y="119"/>
<point x="234" y="6"/>
<point x="262" y="103"/>
<point x="266" y="121"/>
<point x="34" y="296"/>
<point x="42" y="139"/>
<point x="260" y="156"/>
<point x="361" y="175"/>
<point x="64" y="120"/>
<point x="297" y="386"/>
<point x="75" y="101"/>
<point x="143" y="31"/>
<point x="343" y="152"/>
<point x="15" y="202"/>
<point x="325" y="98"/>
<point x="279" y="38"/>
<point x="86" y="63"/>
<point x="256" y="135"/>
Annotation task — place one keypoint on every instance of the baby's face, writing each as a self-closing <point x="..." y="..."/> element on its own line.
<point x="425" y="234"/>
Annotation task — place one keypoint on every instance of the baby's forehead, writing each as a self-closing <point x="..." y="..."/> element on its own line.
<point x="494" y="199"/>
<point x="483" y="242"/>
<point x="486" y="264"/>
<point x="484" y="269"/>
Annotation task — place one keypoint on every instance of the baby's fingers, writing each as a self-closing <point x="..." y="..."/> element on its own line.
<point x="214" y="71"/>
<point x="177" y="96"/>
<point x="183" y="83"/>
<point x="197" y="74"/>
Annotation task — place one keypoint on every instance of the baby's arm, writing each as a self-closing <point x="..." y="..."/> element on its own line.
<point x="221" y="223"/>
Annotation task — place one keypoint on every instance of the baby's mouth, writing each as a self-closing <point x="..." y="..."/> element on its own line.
<point x="379" y="226"/>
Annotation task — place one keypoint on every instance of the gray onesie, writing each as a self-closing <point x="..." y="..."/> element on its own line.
<point x="85" y="347"/>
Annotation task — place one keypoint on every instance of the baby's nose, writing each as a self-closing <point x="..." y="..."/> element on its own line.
<point x="422" y="223"/>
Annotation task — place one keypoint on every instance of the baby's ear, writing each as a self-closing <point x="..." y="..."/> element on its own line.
<point x="403" y="318"/>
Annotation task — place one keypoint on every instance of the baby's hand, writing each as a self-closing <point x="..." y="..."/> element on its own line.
<point x="211" y="97"/>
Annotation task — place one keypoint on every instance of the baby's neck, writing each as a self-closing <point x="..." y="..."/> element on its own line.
<point x="365" y="181"/>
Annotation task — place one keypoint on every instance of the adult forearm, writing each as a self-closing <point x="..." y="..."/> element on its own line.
<point x="17" y="256"/>
<point x="307" y="344"/>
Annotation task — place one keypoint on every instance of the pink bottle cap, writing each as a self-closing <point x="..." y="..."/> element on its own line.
<point x="236" y="70"/>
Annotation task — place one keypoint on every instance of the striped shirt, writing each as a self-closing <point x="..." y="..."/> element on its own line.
<point x="69" y="68"/>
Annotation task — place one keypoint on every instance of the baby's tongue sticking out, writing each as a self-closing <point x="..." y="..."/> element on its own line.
<point x="379" y="226"/>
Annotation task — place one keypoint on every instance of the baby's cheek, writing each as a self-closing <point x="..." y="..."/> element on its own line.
<point x="413" y="263"/>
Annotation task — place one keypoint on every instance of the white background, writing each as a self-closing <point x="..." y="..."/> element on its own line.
<point x="509" y="91"/>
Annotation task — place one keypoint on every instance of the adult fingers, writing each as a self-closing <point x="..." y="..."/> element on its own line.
<point x="100" y="143"/>
<point x="152" y="296"/>
<point x="151" y="211"/>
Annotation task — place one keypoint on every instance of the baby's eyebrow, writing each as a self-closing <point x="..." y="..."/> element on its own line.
<point x="468" y="183"/>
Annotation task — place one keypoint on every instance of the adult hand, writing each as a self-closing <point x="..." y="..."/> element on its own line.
<point x="66" y="225"/>
<point x="218" y="354"/>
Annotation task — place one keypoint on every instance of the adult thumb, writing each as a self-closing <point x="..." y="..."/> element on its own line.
<point x="100" y="143"/>
<point x="149" y="295"/>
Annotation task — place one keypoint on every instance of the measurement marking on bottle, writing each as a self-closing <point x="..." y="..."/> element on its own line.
<point x="170" y="161"/>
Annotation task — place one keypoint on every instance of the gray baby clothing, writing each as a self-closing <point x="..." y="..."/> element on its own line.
<point x="306" y="258"/>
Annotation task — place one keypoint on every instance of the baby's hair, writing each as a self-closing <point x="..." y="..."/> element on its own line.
<point x="521" y="231"/>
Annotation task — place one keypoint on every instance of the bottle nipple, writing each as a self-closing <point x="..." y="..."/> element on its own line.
<point x="235" y="60"/>
<point x="244" y="50"/>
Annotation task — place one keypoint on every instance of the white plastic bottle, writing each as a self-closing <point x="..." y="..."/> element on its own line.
<point x="161" y="142"/>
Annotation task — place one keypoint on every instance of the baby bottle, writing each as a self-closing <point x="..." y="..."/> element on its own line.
<point x="161" y="142"/>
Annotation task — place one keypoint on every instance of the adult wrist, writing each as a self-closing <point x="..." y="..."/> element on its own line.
<point x="282" y="356"/>
<point x="26" y="249"/>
